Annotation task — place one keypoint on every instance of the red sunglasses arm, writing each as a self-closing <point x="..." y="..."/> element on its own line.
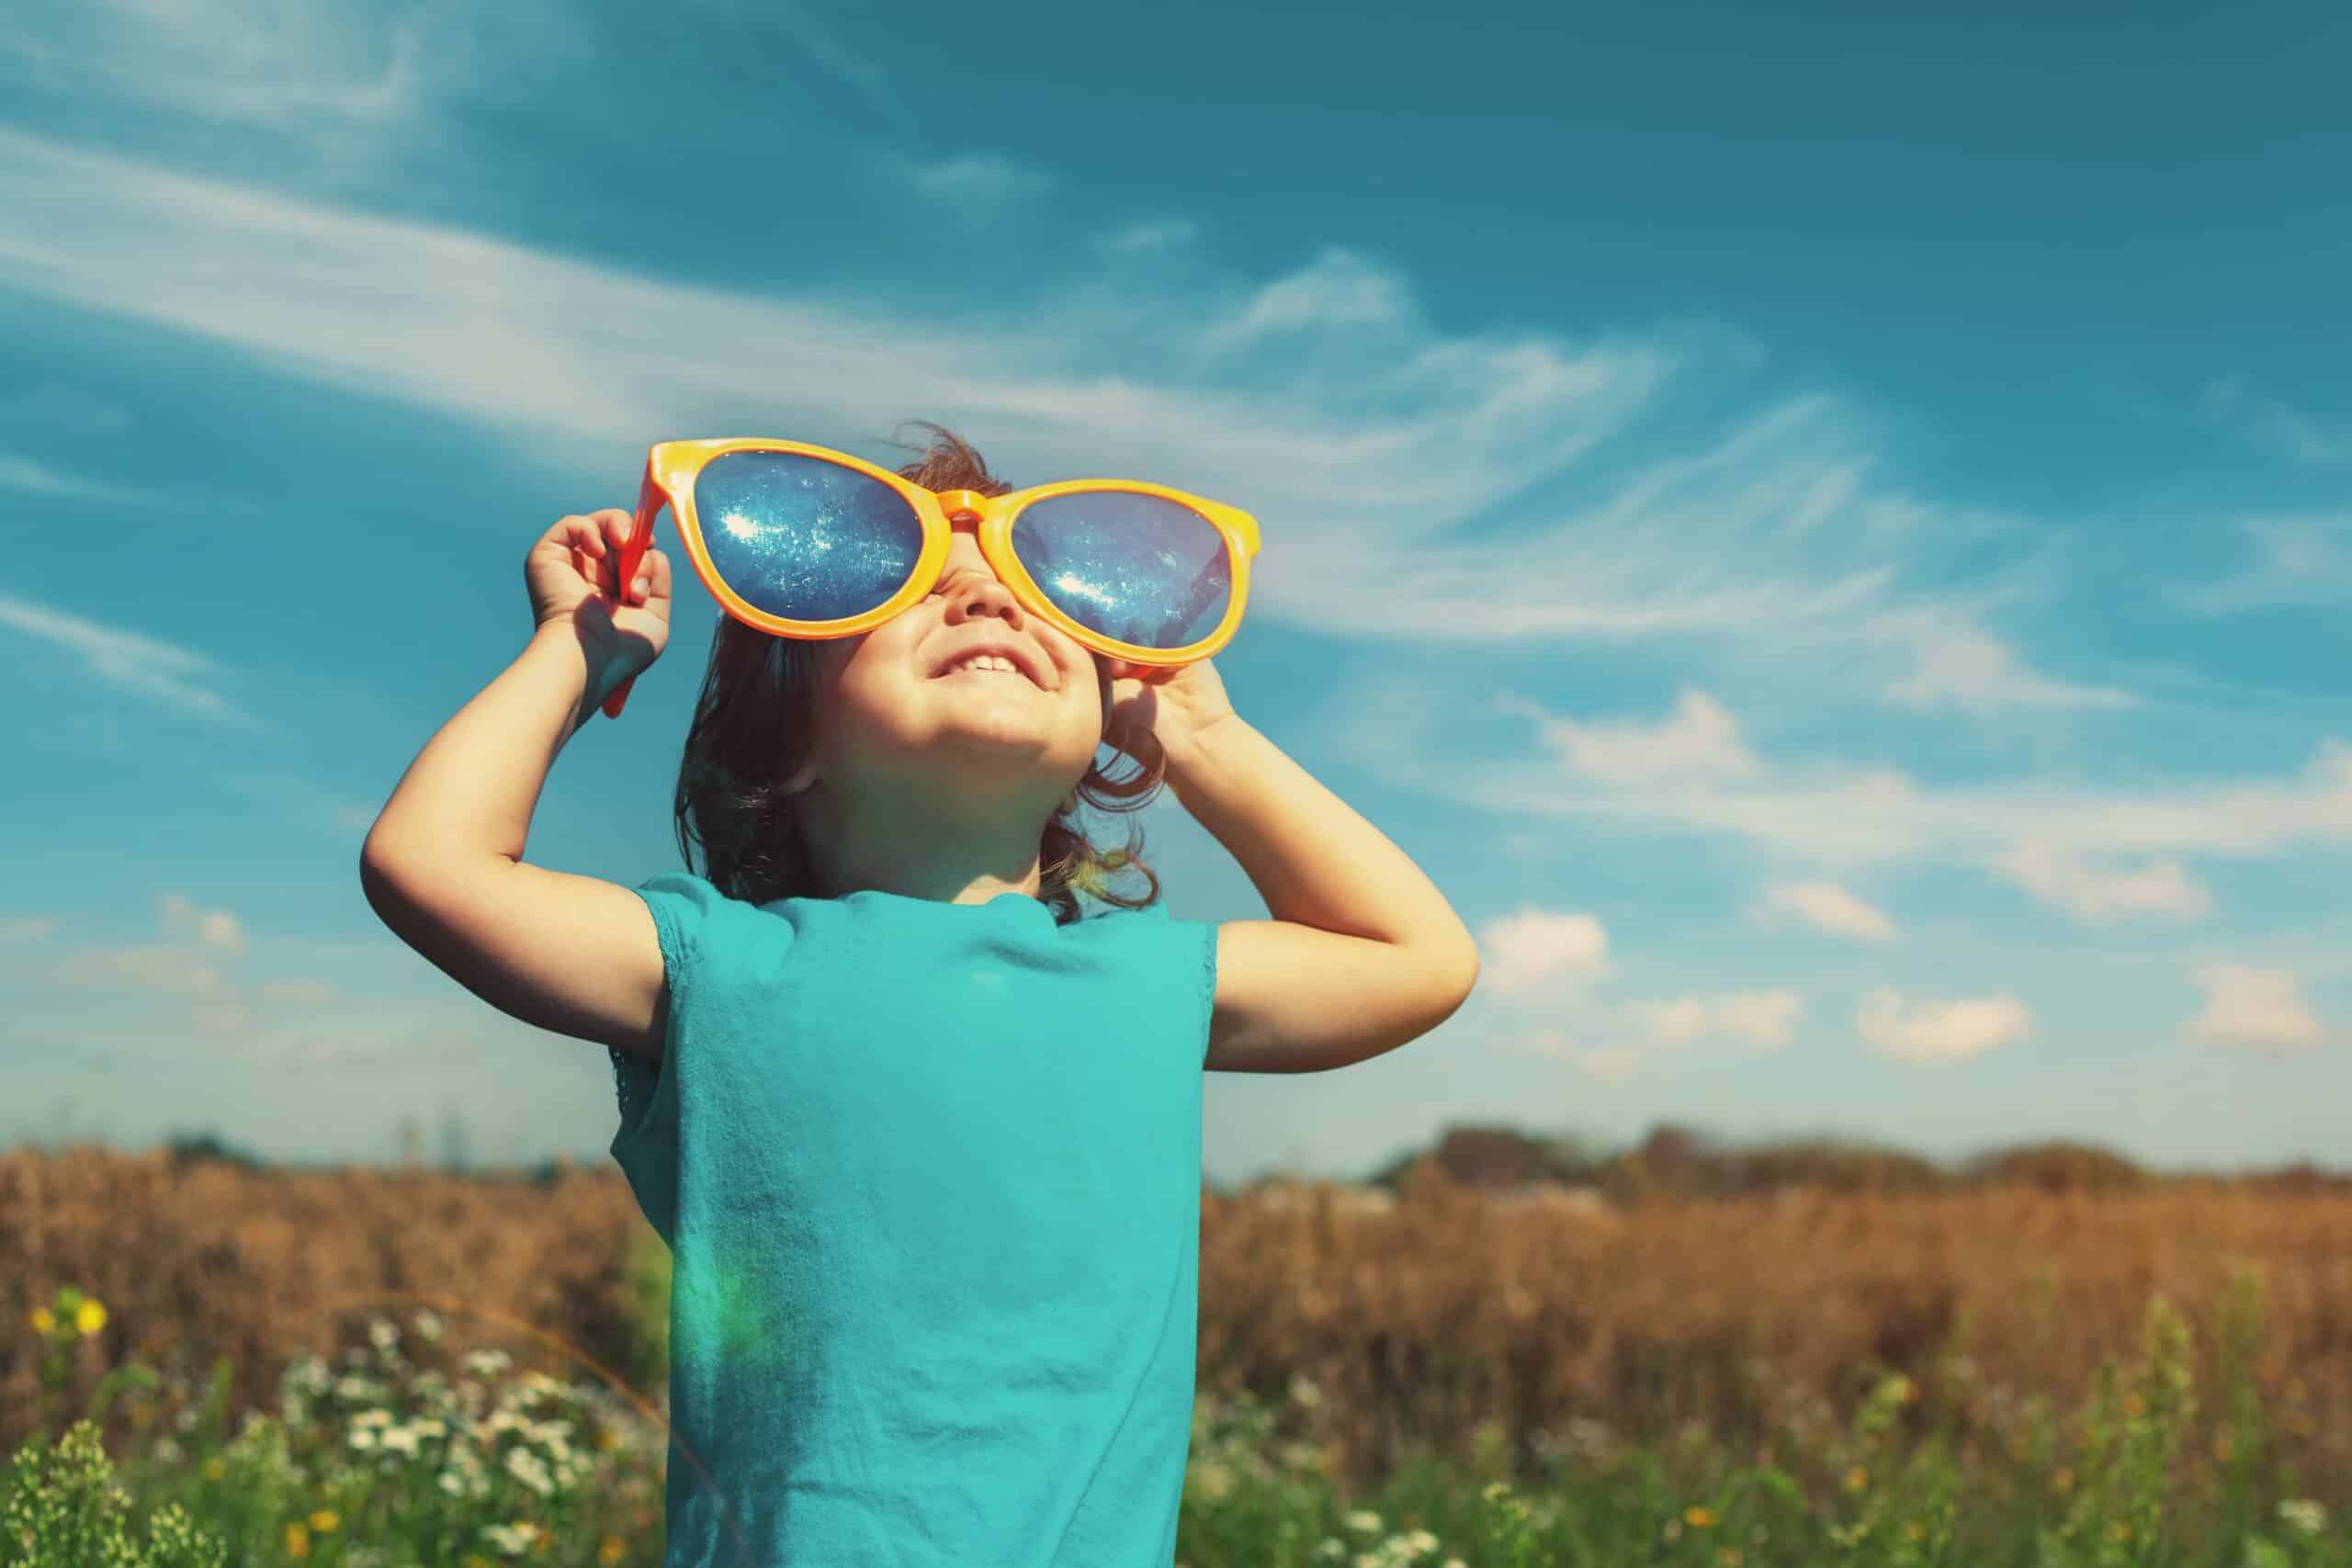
<point x="649" y="500"/>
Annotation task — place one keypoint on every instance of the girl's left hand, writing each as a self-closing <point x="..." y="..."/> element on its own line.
<point x="1177" y="703"/>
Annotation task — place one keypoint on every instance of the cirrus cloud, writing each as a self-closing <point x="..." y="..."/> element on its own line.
<point x="1826" y="907"/>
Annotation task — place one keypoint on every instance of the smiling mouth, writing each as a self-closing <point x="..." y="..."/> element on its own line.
<point x="981" y="666"/>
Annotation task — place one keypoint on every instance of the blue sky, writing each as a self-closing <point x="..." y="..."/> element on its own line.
<point x="1825" y="532"/>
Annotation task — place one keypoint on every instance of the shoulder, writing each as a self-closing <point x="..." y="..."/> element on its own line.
<point x="1176" y="956"/>
<point x="691" y="913"/>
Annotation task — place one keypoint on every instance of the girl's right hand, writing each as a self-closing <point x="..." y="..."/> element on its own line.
<point x="570" y="573"/>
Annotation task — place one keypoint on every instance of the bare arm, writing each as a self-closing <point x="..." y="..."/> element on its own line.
<point x="469" y="795"/>
<point x="1364" y="952"/>
<point x="443" y="866"/>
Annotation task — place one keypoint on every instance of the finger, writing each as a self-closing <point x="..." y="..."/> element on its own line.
<point x="652" y="576"/>
<point x="614" y="523"/>
<point x="580" y="533"/>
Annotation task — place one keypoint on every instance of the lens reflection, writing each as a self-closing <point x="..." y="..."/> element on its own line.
<point x="1141" y="569"/>
<point x="804" y="538"/>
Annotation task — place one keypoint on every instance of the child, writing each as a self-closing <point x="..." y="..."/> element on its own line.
<point x="923" y="1139"/>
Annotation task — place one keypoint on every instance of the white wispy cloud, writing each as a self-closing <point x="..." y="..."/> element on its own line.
<point x="208" y="58"/>
<point x="27" y="927"/>
<point x="973" y="179"/>
<point x="187" y="967"/>
<point x="1338" y="289"/>
<point x="1608" y="1064"/>
<point x="1962" y="665"/>
<point x="1363" y="436"/>
<point x="2254" y="1005"/>
<point x="139" y="966"/>
<point x="371" y="79"/>
<point x="1604" y="1064"/>
<point x="1933" y="1031"/>
<point x="210" y="928"/>
<point x="1826" y="907"/>
<point x="1533" y="950"/>
<point x="2235" y="402"/>
<point x="1150" y="235"/>
<point x="179" y="676"/>
<point x="34" y="477"/>
<point x="1699" y="736"/>
<point x="1761" y="1018"/>
<point x="2102" y="895"/>
<point x="2297" y="559"/>
<point x="1876" y="815"/>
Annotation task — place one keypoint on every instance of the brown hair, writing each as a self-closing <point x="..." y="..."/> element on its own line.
<point x="751" y="729"/>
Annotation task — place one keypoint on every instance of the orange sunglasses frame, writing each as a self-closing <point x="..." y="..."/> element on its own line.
<point x="672" y="467"/>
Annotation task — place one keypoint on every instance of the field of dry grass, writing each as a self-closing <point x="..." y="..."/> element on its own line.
<point x="1570" y="1325"/>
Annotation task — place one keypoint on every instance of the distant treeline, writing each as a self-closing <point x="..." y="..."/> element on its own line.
<point x="1673" y="1161"/>
<point x="1678" y="1161"/>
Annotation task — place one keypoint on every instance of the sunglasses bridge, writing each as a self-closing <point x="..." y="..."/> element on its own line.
<point x="961" y="505"/>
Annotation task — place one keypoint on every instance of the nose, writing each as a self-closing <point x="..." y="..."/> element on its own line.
<point x="974" y="590"/>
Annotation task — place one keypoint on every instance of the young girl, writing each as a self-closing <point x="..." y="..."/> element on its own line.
<point x="923" y="1138"/>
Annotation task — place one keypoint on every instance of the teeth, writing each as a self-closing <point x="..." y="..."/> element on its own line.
<point x="984" y="661"/>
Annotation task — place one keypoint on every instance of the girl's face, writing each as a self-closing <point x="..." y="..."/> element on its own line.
<point x="890" y="715"/>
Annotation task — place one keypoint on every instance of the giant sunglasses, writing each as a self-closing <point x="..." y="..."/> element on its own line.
<point x="806" y="542"/>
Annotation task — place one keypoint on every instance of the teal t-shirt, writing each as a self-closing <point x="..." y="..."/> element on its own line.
<point x="930" y="1174"/>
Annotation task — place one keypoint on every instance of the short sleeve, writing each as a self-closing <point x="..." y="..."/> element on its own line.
<point x="1183" y="955"/>
<point x="1204" y="934"/>
<point x="681" y="903"/>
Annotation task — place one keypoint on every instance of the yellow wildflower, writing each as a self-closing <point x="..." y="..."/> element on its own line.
<point x="214" y="1470"/>
<point x="1914" y="1530"/>
<point x="2064" y="1479"/>
<point x="325" y="1521"/>
<point x="44" y="1321"/>
<point x="298" y="1541"/>
<point x="1729" y="1556"/>
<point x="2120" y="1530"/>
<point x="2134" y="1407"/>
<point x="1857" y="1478"/>
<point x="1699" y="1518"/>
<point x="609" y="1550"/>
<point x="607" y="1438"/>
<point x="90" y="1316"/>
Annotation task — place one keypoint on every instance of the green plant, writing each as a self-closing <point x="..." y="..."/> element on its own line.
<point x="64" y="1509"/>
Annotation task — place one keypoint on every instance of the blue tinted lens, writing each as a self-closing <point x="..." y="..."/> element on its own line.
<point x="803" y="537"/>
<point x="1138" y="568"/>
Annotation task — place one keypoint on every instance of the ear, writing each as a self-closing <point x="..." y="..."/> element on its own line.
<point x="800" y="779"/>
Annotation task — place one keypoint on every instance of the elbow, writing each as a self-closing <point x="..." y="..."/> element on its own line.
<point x="386" y="883"/>
<point x="1459" y="971"/>
<point x="1448" y="982"/>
